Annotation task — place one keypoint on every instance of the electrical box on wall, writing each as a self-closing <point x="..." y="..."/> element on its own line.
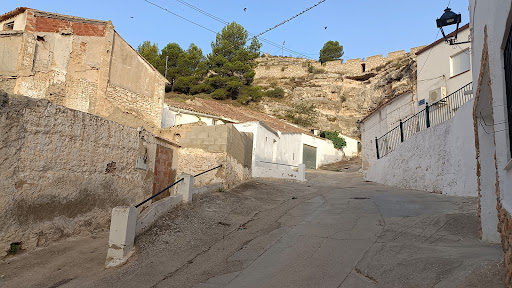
<point x="141" y="163"/>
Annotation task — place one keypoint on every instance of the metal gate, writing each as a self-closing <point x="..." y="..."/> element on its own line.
<point x="309" y="156"/>
<point x="508" y="82"/>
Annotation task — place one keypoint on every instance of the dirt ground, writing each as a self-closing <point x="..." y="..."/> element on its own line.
<point x="335" y="230"/>
<point x="351" y="165"/>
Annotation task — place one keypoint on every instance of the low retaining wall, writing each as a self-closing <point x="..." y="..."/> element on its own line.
<point x="440" y="159"/>
<point x="267" y="170"/>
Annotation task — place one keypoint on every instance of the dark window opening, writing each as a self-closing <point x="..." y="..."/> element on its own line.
<point x="9" y="26"/>
<point x="508" y="83"/>
<point x="364" y="67"/>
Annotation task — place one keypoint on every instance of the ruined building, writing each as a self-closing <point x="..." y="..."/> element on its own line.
<point x="79" y="63"/>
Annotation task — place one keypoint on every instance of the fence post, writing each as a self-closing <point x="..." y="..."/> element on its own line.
<point x="427" y="115"/>
<point x="186" y="187"/>
<point x="122" y="235"/>
<point x="401" y="131"/>
<point x="377" y="146"/>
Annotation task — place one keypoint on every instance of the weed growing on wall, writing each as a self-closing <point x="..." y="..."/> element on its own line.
<point x="338" y="142"/>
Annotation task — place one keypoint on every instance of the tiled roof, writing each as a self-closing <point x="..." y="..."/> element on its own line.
<point x="426" y="48"/>
<point x="238" y="114"/>
<point x="12" y="13"/>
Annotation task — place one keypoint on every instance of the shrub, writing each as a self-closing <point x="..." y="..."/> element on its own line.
<point x="201" y="88"/>
<point x="311" y="69"/>
<point x="303" y="114"/>
<point x="250" y="93"/>
<point x="275" y="93"/>
<point x="184" y="84"/>
<point x="337" y="141"/>
<point x="220" y="94"/>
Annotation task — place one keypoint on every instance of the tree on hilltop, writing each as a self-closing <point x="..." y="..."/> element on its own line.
<point x="332" y="50"/>
<point x="150" y="52"/>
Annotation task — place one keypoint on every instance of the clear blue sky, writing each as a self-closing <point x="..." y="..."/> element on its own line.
<point x="364" y="27"/>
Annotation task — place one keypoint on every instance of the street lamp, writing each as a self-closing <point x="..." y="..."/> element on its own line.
<point x="450" y="18"/>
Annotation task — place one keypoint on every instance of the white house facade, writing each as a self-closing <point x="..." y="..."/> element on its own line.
<point x="442" y="69"/>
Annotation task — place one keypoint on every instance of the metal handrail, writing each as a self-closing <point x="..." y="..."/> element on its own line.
<point x="277" y="163"/>
<point x="433" y="114"/>
<point x="208" y="170"/>
<point x="137" y="206"/>
<point x="165" y="189"/>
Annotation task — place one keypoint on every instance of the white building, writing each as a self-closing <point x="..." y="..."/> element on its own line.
<point x="383" y="119"/>
<point x="442" y="69"/>
<point x="491" y="23"/>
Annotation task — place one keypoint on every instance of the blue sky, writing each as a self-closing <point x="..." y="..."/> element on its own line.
<point x="364" y="27"/>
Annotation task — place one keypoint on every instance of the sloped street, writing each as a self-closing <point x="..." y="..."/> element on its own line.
<point x="335" y="230"/>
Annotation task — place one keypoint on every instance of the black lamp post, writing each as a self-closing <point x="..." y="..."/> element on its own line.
<point x="450" y="18"/>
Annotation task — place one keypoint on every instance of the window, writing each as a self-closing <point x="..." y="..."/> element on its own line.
<point x="363" y="67"/>
<point x="460" y="63"/>
<point x="9" y="26"/>
<point x="508" y="84"/>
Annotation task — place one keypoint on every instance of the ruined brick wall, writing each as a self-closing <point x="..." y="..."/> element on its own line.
<point x="62" y="171"/>
<point x="165" y="167"/>
<point x="288" y="67"/>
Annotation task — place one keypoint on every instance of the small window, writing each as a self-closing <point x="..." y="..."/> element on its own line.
<point x="9" y="26"/>
<point x="460" y="63"/>
<point x="363" y="66"/>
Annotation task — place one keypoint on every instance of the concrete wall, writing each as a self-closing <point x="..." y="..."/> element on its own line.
<point x="434" y="70"/>
<point x="491" y="22"/>
<point x="205" y="147"/>
<point x="382" y="121"/>
<point x="440" y="159"/>
<point x="62" y="171"/>
<point x="10" y="45"/>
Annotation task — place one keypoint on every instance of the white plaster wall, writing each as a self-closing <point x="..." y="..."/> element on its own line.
<point x="185" y="118"/>
<point x="351" y="149"/>
<point x="263" y="140"/>
<point x="440" y="159"/>
<point x="382" y="121"/>
<point x="497" y="16"/>
<point x="434" y="63"/>
<point x="290" y="151"/>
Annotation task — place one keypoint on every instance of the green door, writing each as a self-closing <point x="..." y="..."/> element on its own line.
<point x="309" y="156"/>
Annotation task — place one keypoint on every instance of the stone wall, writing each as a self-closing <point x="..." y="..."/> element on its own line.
<point x="62" y="171"/>
<point x="439" y="159"/>
<point x="288" y="67"/>
<point x="205" y="147"/>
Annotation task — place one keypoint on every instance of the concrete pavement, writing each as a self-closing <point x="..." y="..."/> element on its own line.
<point x="336" y="230"/>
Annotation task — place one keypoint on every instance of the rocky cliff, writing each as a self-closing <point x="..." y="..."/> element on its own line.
<point x="343" y="93"/>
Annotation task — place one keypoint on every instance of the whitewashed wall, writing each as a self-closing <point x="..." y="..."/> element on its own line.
<point x="351" y="150"/>
<point x="382" y="121"/>
<point x="439" y="159"/>
<point x="496" y="15"/>
<point x="171" y="118"/>
<point x="434" y="63"/>
<point x="326" y="153"/>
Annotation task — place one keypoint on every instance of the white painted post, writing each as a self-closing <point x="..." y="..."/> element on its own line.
<point x="302" y="172"/>
<point x="122" y="235"/>
<point x="186" y="187"/>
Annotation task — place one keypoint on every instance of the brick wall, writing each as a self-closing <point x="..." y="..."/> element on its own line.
<point x="45" y="24"/>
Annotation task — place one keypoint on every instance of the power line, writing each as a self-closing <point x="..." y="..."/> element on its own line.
<point x="431" y="48"/>
<point x="289" y="19"/>
<point x="226" y="23"/>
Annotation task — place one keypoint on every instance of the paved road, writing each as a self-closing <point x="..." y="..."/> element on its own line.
<point x="336" y="230"/>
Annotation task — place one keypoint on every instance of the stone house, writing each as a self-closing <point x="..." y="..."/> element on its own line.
<point x="83" y="64"/>
<point x="275" y="141"/>
<point x="491" y="26"/>
<point x="442" y="70"/>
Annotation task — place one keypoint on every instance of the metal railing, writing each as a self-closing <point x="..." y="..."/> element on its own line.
<point x="433" y="114"/>
<point x="170" y="186"/>
<point x="277" y="163"/>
